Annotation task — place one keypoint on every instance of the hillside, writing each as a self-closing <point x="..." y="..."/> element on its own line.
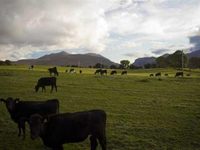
<point x="145" y="60"/>
<point x="64" y="59"/>
<point x="194" y="54"/>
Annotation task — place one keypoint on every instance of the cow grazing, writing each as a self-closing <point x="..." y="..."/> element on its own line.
<point x="70" y="128"/>
<point x="53" y="70"/>
<point x="98" y="71"/>
<point x="188" y="74"/>
<point x="178" y="74"/>
<point x="113" y="72"/>
<point x="31" y="67"/>
<point x="166" y="74"/>
<point x="80" y="71"/>
<point x="46" y="81"/>
<point x="103" y="72"/>
<point x="72" y="70"/>
<point x="158" y="74"/>
<point x="20" y="111"/>
<point x="124" y="72"/>
<point x="151" y="75"/>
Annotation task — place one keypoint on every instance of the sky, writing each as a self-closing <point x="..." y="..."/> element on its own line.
<point x="116" y="29"/>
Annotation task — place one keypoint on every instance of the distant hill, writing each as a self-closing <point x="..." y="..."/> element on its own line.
<point x="140" y="62"/>
<point x="194" y="54"/>
<point x="64" y="59"/>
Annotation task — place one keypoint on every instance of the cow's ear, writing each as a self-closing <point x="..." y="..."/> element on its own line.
<point x="45" y="120"/>
<point x="2" y="100"/>
<point x="17" y="100"/>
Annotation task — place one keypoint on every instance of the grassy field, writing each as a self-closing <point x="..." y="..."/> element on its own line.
<point x="143" y="113"/>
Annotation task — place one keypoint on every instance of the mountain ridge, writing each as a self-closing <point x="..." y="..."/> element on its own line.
<point x="66" y="59"/>
<point x="140" y="62"/>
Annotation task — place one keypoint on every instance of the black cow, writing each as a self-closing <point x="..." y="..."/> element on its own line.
<point x="98" y="71"/>
<point x="80" y="71"/>
<point x="179" y="74"/>
<point x="124" y="72"/>
<point x="113" y="72"/>
<point x="166" y="74"/>
<point x="70" y="128"/>
<point x="188" y="74"/>
<point x="72" y="70"/>
<point x="53" y="70"/>
<point x="46" y="81"/>
<point x="158" y="74"/>
<point x="31" y="67"/>
<point x="20" y="111"/>
<point x="151" y="75"/>
<point x="103" y="72"/>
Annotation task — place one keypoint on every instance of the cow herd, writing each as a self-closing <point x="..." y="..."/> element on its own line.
<point x="55" y="128"/>
<point x="105" y="72"/>
<point x="178" y="74"/>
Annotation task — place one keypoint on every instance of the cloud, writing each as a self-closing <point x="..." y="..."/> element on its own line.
<point x="195" y="40"/>
<point x="160" y="51"/>
<point x="142" y="27"/>
<point x="51" y="24"/>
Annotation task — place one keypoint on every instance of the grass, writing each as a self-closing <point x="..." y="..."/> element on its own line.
<point x="143" y="112"/>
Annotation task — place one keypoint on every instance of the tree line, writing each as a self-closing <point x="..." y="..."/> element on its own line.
<point x="6" y="62"/>
<point x="176" y="60"/>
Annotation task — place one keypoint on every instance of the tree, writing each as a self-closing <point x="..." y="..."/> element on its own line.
<point x="98" y="65"/>
<point x="113" y="67"/>
<point x="175" y="59"/>
<point x="125" y="63"/>
<point x="162" y="62"/>
<point x="148" y="66"/>
<point x="6" y="62"/>
<point x="194" y="62"/>
<point x="132" y="66"/>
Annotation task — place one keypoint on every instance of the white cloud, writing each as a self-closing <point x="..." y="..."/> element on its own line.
<point x="32" y="25"/>
<point x="141" y="26"/>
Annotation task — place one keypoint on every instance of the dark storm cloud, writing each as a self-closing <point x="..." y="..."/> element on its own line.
<point x="195" y="40"/>
<point x="160" y="51"/>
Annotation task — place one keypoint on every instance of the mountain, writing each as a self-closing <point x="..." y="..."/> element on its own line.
<point x="140" y="62"/>
<point x="64" y="59"/>
<point x="194" y="54"/>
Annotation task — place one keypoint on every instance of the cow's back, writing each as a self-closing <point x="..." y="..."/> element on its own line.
<point x="73" y="127"/>
<point x="44" y="108"/>
<point x="47" y="81"/>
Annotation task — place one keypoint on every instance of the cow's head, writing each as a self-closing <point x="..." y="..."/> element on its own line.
<point x="36" y="88"/>
<point x="36" y="125"/>
<point x="10" y="103"/>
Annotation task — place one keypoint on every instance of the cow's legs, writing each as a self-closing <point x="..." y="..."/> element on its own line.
<point x="56" y="87"/>
<point x="52" y="88"/>
<point x="19" y="127"/>
<point x="93" y="143"/>
<point x="102" y="141"/>
<point x="22" y="125"/>
<point x="43" y="89"/>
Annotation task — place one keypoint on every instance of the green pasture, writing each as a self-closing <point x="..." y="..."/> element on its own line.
<point x="143" y="113"/>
